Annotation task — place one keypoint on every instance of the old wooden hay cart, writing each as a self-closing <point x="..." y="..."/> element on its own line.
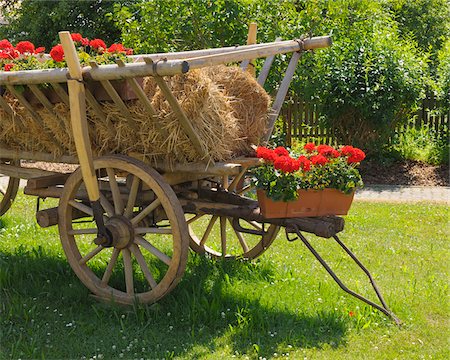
<point x="150" y="214"/>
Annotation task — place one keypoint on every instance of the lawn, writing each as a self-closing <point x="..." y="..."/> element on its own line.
<point x="282" y="305"/>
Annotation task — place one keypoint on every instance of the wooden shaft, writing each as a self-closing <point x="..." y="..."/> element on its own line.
<point x="78" y="117"/>
<point x="251" y="40"/>
<point x="192" y="53"/>
<point x="165" y="67"/>
<point x="281" y="95"/>
<point x="262" y="77"/>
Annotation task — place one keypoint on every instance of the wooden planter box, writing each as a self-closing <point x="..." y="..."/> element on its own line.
<point x="310" y="203"/>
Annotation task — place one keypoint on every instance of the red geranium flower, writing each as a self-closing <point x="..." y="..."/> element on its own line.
<point x="357" y="156"/>
<point x="265" y="153"/>
<point x="9" y="53"/>
<point x="57" y="53"/>
<point x="76" y="37"/>
<point x="5" y="44"/>
<point x="129" y="51"/>
<point x="281" y="151"/>
<point x="304" y="163"/>
<point x="286" y="164"/>
<point x="116" y="48"/>
<point x="8" y="67"/>
<point x="85" y="41"/>
<point x="25" y="47"/>
<point x="327" y="150"/>
<point x="309" y="147"/>
<point x="319" y="160"/>
<point x="347" y="150"/>
<point x="98" y="44"/>
<point x="40" y="49"/>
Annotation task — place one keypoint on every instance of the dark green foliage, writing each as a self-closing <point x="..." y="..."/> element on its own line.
<point x="40" y="21"/>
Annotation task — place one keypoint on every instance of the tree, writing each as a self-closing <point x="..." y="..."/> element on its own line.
<point x="40" y="21"/>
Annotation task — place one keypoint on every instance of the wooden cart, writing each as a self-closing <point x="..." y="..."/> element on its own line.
<point x="151" y="215"/>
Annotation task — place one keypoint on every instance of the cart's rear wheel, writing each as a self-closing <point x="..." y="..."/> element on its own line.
<point x="216" y="235"/>
<point x="147" y="223"/>
<point x="8" y="191"/>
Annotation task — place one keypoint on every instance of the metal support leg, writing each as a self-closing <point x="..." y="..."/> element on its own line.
<point x="384" y="308"/>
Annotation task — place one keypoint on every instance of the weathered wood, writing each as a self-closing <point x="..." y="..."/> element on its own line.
<point x="281" y="95"/>
<point x="61" y="93"/>
<point x="36" y="156"/>
<point x="49" y="217"/>
<point x="78" y="116"/>
<point x="189" y="54"/>
<point x="142" y="96"/>
<point x="48" y="180"/>
<point x="48" y="106"/>
<point x="6" y="107"/>
<point x="249" y="64"/>
<point x="21" y="172"/>
<point x="185" y="123"/>
<point x="282" y="47"/>
<point x="317" y="226"/>
<point x="163" y="68"/>
<point x="262" y="77"/>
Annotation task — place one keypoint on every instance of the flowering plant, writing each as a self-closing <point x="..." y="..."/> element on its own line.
<point x="25" y="56"/>
<point x="319" y="167"/>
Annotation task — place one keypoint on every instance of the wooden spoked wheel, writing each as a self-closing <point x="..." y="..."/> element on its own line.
<point x="147" y="223"/>
<point x="216" y="236"/>
<point x="8" y="191"/>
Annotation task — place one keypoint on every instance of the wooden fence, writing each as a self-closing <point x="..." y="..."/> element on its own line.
<point x="301" y="120"/>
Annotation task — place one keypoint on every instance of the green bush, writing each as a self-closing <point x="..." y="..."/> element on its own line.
<point x="422" y="144"/>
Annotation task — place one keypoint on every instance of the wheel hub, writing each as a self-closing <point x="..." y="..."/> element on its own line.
<point x="121" y="230"/>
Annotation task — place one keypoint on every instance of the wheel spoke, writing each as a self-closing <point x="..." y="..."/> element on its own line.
<point x="236" y="180"/>
<point x="132" y="197"/>
<point x="196" y="217"/>
<point x="110" y="267"/>
<point x="158" y="253"/>
<point x="223" y="235"/>
<point x="152" y="230"/>
<point x="128" y="267"/>
<point x="141" y="261"/>
<point x="208" y="230"/>
<point x="245" y="189"/>
<point x="90" y="255"/>
<point x="106" y="205"/>
<point x="118" y="203"/>
<point x="240" y="237"/>
<point x="255" y="225"/>
<point x="82" y="207"/>
<point x="145" y="212"/>
<point x="82" y="231"/>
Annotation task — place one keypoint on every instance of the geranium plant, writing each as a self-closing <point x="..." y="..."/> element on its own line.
<point x="319" y="167"/>
<point x="25" y="56"/>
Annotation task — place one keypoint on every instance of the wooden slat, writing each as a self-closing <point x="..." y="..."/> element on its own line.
<point x="5" y="106"/>
<point x="281" y="95"/>
<point x="262" y="77"/>
<point x="33" y="114"/>
<point x="142" y="96"/>
<point x="61" y="93"/>
<point x="183" y="119"/>
<point x="44" y="101"/>
<point x="98" y="111"/>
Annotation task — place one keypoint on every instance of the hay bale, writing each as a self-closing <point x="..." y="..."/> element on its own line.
<point x="249" y="101"/>
<point x="226" y="107"/>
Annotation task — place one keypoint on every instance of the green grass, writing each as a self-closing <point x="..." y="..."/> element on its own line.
<point x="283" y="304"/>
